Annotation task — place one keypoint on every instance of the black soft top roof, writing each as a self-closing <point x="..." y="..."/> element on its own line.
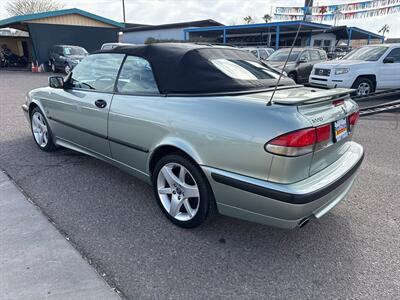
<point x="185" y="68"/>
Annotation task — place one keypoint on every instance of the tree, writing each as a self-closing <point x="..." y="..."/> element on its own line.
<point x="322" y="11"/>
<point x="384" y="29"/>
<point x="23" y="7"/>
<point x="267" y="18"/>
<point x="248" y="20"/>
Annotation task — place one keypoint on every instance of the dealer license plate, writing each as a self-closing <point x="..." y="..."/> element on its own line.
<point x="341" y="129"/>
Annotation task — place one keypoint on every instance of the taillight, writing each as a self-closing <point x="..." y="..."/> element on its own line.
<point x="353" y="118"/>
<point x="300" y="142"/>
<point x="323" y="133"/>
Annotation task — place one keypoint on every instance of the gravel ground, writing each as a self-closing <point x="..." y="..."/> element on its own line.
<point x="113" y="220"/>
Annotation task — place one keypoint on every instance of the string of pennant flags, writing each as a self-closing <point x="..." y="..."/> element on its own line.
<point x="357" y="10"/>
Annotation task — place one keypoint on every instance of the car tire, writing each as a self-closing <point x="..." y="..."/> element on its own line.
<point x="67" y="69"/>
<point x="41" y="132"/>
<point x="172" y="190"/>
<point x="293" y="76"/>
<point x="364" y="86"/>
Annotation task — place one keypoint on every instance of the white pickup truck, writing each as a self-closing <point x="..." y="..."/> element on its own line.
<point x="366" y="69"/>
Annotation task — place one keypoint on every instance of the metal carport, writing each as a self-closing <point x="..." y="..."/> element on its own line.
<point x="67" y="26"/>
<point x="272" y="33"/>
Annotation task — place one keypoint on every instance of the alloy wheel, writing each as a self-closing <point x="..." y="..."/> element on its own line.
<point x="178" y="192"/>
<point x="363" y="89"/>
<point x="39" y="129"/>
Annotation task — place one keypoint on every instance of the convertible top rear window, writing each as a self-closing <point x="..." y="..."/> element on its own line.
<point x="242" y="69"/>
<point x="194" y="68"/>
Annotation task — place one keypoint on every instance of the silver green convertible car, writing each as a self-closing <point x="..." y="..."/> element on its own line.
<point x="198" y="123"/>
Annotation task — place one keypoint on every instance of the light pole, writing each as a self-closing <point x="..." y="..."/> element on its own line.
<point x="336" y="15"/>
<point x="123" y="10"/>
<point x="308" y="4"/>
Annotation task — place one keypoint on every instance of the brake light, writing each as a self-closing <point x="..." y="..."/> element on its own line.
<point x="300" y="138"/>
<point x="353" y="118"/>
<point x="300" y="142"/>
<point x="323" y="133"/>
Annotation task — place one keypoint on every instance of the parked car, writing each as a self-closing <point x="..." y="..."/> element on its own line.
<point x="108" y="46"/>
<point x="300" y="62"/>
<point x="260" y="53"/>
<point x="65" y="57"/>
<point x="338" y="52"/>
<point x="199" y="124"/>
<point x="365" y="69"/>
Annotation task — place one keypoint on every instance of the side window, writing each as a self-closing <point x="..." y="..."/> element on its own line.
<point x="136" y="77"/>
<point x="254" y="52"/>
<point x="317" y="43"/>
<point x="395" y="53"/>
<point x="323" y="55"/>
<point x="327" y="43"/>
<point x="263" y="54"/>
<point x="97" y="72"/>
<point x="305" y="56"/>
<point x="315" y="55"/>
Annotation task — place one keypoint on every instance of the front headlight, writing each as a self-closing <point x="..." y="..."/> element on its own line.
<point x="340" y="71"/>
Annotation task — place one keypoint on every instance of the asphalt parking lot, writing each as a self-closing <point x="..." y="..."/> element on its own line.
<point x="113" y="220"/>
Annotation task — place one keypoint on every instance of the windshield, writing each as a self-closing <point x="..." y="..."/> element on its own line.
<point x="282" y="55"/>
<point x="243" y="69"/>
<point x="367" y="53"/>
<point x="74" y="51"/>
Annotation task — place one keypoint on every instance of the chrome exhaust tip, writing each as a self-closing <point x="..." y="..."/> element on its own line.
<point x="304" y="222"/>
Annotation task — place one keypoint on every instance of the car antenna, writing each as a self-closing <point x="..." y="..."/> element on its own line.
<point x="306" y="10"/>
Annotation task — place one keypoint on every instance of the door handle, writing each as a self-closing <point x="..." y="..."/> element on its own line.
<point x="100" y="103"/>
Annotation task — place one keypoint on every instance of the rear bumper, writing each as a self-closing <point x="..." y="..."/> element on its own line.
<point x="285" y="205"/>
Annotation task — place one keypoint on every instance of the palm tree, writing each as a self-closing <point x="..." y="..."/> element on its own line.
<point x="248" y="20"/>
<point x="384" y="29"/>
<point x="336" y="16"/>
<point x="322" y="11"/>
<point x="267" y="18"/>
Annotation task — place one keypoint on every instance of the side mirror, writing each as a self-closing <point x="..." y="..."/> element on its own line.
<point x="302" y="60"/>
<point x="388" y="60"/>
<point x="56" y="82"/>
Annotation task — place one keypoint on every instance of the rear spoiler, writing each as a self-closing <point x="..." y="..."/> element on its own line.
<point x="314" y="95"/>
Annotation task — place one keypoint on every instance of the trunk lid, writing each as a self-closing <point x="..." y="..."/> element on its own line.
<point x="319" y="107"/>
<point x="329" y="112"/>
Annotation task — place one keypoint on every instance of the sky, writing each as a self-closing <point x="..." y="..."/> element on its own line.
<point x="228" y="12"/>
